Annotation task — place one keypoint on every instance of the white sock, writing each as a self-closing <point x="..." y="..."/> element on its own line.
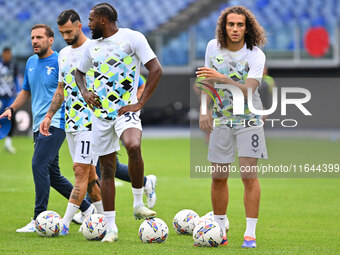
<point x="110" y="218"/>
<point x="71" y="210"/>
<point x="137" y="196"/>
<point x="251" y="226"/>
<point x="99" y="206"/>
<point x="8" y="141"/>
<point x="220" y="219"/>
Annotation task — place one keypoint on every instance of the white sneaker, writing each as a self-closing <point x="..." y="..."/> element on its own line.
<point x="142" y="212"/>
<point x="149" y="190"/>
<point x="111" y="236"/>
<point x="29" y="228"/>
<point x="80" y="216"/>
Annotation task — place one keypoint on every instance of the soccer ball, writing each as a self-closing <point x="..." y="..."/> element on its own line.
<point x="185" y="221"/>
<point x="94" y="227"/>
<point x="208" y="234"/>
<point x="210" y="217"/>
<point x="153" y="231"/>
<point x="48" y="223"/>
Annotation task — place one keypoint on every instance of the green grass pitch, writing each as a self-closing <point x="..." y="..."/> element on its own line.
<point x="297" y="216"/>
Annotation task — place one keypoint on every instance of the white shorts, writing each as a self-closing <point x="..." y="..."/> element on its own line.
<point x="106" y="133"/>
<point x="80" y="147"/>
<point x="250" y="142"/>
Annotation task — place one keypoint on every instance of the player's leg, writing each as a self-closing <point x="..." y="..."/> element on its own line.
<point x="222" y="150"/>
<point x="129" y="129"/>
<point x="252" y="193"/>
<point x="64" y="186"/>
<point x="82" y="156"/>
<point x="131" y="138"/>
<point x="43" y="157"/>
<point x="220" y="196"/>
<point x="251" y="146"/>
<point x="105" y="144"/>
<point x="108" y="192"/>
<point x="81" y="173"/>
<point x="93" y="195"/>
<point x="40" y="162"/>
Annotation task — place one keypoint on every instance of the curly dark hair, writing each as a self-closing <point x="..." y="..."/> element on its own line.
<point x="255" y="36"/>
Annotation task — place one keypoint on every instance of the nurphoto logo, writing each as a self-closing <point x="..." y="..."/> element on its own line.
<point x="239" y="99"/>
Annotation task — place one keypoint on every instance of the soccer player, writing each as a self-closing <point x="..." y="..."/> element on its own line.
<point x="78" y="118"/>
<point x="115" y="57"/>
<point x="78" y="127"/>
<point x="40" y="83"/>
<point x="8" y="90"/>
<point x="122" y="173"/>
<point x="233" y="58"/>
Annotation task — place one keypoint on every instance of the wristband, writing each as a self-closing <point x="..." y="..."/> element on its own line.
<point x="11" y="108"/>
<point x="48" y="117"/>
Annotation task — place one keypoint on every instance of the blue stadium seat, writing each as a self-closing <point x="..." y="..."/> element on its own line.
<point x="147" y="15"/>
<point x="143" y="15"/>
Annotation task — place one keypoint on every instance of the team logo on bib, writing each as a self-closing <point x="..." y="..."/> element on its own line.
<point x="49" y="70"/>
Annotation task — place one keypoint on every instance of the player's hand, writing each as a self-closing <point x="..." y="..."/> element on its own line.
<point x="206" y="122"/>
<point x="129" y="108"/>
<point x="45" y="126"/>
<point x="7" y="113"/>
<point x="92" y="99"/>
<point x="210" y="75"/>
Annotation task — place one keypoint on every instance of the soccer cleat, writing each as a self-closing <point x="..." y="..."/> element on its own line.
<point x="224" y="240"/>
<point x="80" y="216"/>
<point x="142" y="212"/>
<point x="29" y="228"/>
<point x="149" y="190"/>
<point x="111" y="236"/>
<point x="249" y="242"/>
<point x="64" y="231"/>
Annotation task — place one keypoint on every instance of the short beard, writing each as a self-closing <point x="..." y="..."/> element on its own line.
<point x="97" y="33"/>
<point x="74" y="40"/>
<point x="42" y="52"/>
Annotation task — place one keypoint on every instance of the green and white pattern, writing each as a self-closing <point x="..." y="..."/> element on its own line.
<point x="77" y="114"/>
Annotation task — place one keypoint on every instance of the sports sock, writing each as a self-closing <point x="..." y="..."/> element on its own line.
<point x="137" y="196"/>
<point x="71" y="210"/>
<point x="99" y="206"/>
<point x="220" y="219"/>
<point x="8" y="141"/>
<point x="251" y="226"/>
<point x="110" y="218"/>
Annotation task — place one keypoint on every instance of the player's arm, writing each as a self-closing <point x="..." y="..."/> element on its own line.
<point x="212" y="75"/>
<point x="57" y="101"/>
<point x="155" y="73"/>
<point x="89" y="97"/>
<point x="23" y="96"/>
<point x="206" y="119"/>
